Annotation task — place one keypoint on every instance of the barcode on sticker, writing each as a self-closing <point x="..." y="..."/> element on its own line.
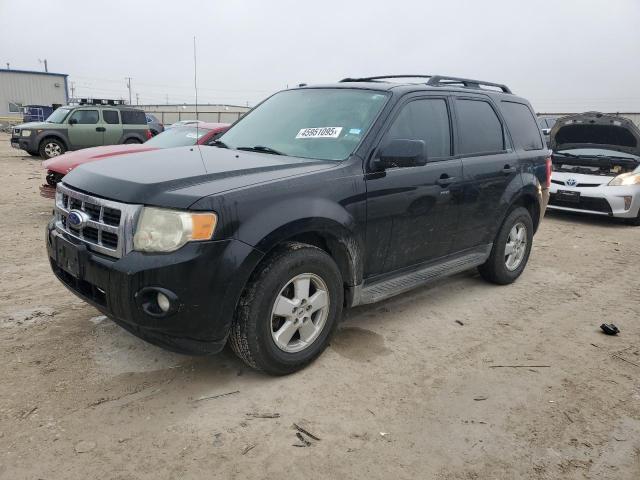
<point x="320" y="132"/>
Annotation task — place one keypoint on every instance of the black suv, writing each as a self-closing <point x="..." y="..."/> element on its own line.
<point x="320" y="198"/>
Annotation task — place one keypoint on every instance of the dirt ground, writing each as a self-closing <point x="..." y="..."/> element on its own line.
<point x="416" y="387"/>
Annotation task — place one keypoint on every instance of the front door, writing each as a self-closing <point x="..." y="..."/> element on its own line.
<point x="411" y="214"/>
<point x="85" y="129"/>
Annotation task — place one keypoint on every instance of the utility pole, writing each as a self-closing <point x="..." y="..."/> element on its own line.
<point x="46" y="69"/>
<point x="137" y="98"/>
<point x="128" y="79"/>
<point x="8" y="66"/>
<point x="73" y="89"/>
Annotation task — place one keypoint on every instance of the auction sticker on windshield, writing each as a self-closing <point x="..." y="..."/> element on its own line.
<point x="320" y="132"/>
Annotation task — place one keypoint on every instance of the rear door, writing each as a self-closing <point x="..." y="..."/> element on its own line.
<point x="112" y="126"/>
<point x="86" y="131"/>
<point x="489" y="166"/>
<point x="411" y="211"/>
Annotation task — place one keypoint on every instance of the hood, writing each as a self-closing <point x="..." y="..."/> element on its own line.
<point x="178" y="177"/>
<point x="70" y="160"/>
<point x="595" y="130"/>
<point x="34" y="125"/>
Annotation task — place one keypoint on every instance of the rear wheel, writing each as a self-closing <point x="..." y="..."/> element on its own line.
<point x="132" y="140"/>
<point x="289" y="310"/>
<point x="51" y="147"/>
<point x="511" y="248"/>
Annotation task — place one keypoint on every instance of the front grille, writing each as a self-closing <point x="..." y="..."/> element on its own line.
<point x="107" y="227"/>
<point x="560" y="182"/>
<point x="586" y="203"/>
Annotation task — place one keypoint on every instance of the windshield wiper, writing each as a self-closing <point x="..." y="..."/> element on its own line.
<point x="565" y="154"/>
<point x="262" y="149"/>
<point x="219" y="144"/>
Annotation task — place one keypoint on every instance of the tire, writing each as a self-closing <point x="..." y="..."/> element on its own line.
<point x="132" y="140"/>
<point x="504" y="269"/>
<point x="259" y="335"/>
<point x="51" y="147"/>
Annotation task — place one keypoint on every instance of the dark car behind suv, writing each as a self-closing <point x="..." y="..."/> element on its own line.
<point x="320" y="198"/>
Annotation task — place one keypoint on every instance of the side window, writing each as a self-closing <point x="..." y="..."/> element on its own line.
<point x="479" y="127"/>
<point x="522" y="125"/>
<point x="85" y="116"/>
<point x="428" y="120"/>
<point x="111" y="117"/>
<point x="133" y="117"/>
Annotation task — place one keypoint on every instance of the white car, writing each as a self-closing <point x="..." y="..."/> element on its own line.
<point x="596" y="166"/>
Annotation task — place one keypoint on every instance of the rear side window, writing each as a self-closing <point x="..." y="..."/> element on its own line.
<point x="110" y="116"/>
<point x="479" y="127"/>
<point x="85" y="116"/>
<point x="426" y="120"/>
<point x="133" y="117"/>
<point x="522" y="125"/>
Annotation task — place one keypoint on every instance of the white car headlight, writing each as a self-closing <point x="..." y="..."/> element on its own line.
<point x="631" y="178"/>
<point x="161" y="230"/>
<point x="25" y="133"/>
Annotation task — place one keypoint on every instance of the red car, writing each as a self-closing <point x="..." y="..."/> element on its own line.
<point x="58" y="167"/>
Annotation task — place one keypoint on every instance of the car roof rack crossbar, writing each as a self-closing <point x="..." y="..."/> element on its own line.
<point x="382" y="77"/>
<point x="437" y="81"/>
<point x="440" y="80"/>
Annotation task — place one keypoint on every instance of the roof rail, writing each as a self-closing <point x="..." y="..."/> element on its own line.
<point x="440" y="80"/>
<point x="437" y="81"/>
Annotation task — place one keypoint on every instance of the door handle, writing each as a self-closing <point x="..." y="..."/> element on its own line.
<point x="100" y="129"/>
<point x="445" y="180"/>
<point x="508" y="169"/>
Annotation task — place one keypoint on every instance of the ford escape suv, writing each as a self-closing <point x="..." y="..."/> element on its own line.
<point x="81" y="126"/>
<point x="319" y="199"/>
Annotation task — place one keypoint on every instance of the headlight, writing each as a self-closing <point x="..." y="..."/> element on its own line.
<point x="161" y="230"/>
<point x="25" y="133"/>
<point x="631" y="178"/>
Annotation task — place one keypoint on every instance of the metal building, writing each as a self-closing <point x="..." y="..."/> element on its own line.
<point x="23" y="87"/>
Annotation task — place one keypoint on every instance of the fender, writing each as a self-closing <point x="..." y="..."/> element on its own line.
<point x="57" y="134"/>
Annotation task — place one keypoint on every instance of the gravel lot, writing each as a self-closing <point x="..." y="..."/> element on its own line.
<point x="410" y="388"/>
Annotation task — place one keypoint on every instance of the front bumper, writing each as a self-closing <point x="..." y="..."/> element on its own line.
<point x="207" y="279"/>
<point x="23" y="143"/>
<point x="601" y="200"/>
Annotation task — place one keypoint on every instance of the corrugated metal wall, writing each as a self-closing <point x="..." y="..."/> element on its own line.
<point x="30" y="89"/>
<point x="168" y="114"/>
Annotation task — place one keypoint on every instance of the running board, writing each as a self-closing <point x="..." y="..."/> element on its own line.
<point x="408" y="280"/>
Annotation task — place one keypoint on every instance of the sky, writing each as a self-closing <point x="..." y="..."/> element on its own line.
<point x="562" y="55"/>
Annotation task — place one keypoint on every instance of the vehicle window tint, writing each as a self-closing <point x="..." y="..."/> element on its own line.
<point x="85" y="116"/>
<point x="133" y="117"/>
<point x="426" y="120"/>
<point x="479" y="127"/>
<point x="551" y="122"/>
<point x="111" y="116"/>
<point x="522" y="125"/>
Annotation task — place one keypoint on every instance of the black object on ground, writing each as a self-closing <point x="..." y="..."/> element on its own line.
<point x="610" y="329"/>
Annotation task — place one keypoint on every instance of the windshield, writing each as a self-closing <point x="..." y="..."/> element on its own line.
<point x="58" y="115"/>
<point x="597" y="152"/>
<point x="323" y="124"/>
<point x="177" y="137"/>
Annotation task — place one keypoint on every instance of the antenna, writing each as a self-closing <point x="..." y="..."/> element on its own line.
<point x="195" y="82"/>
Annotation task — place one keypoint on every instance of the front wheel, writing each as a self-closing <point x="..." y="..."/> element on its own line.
<point x="51" y="147"/>
<point x="132" y="140"/>
<point x="511" y="249"/>
<point x="289" y="310"/>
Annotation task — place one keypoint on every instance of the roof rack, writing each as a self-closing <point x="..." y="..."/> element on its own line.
<point x="437" y="81"/>
<point x="96" y="101"/>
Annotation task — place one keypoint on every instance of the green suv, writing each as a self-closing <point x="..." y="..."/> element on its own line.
<point x="81" y="126"/>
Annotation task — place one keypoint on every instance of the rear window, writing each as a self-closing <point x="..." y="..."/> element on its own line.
<point x="133" y="117"/>
<point x="522" y="125"/>
<point x="480" y="128"/>
<point x="110" y="116"/>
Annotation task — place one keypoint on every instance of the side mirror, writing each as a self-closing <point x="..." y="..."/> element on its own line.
<point x="73" y="121"/>
<point x="401" y="153"/>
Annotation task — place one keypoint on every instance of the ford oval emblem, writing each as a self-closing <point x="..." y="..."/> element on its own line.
<point x="77" y="219"/>
<point x="571" y="182"/>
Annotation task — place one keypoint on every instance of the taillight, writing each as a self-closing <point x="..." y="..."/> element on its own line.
<point x="548" y="171"/>
<point x="149" y="135"/>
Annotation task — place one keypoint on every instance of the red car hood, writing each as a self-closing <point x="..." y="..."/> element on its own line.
<point x="67" y="162"/>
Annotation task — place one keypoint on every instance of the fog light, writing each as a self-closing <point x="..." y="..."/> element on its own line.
<point x="627" y="201"/>
<point x="163" y="302"/>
